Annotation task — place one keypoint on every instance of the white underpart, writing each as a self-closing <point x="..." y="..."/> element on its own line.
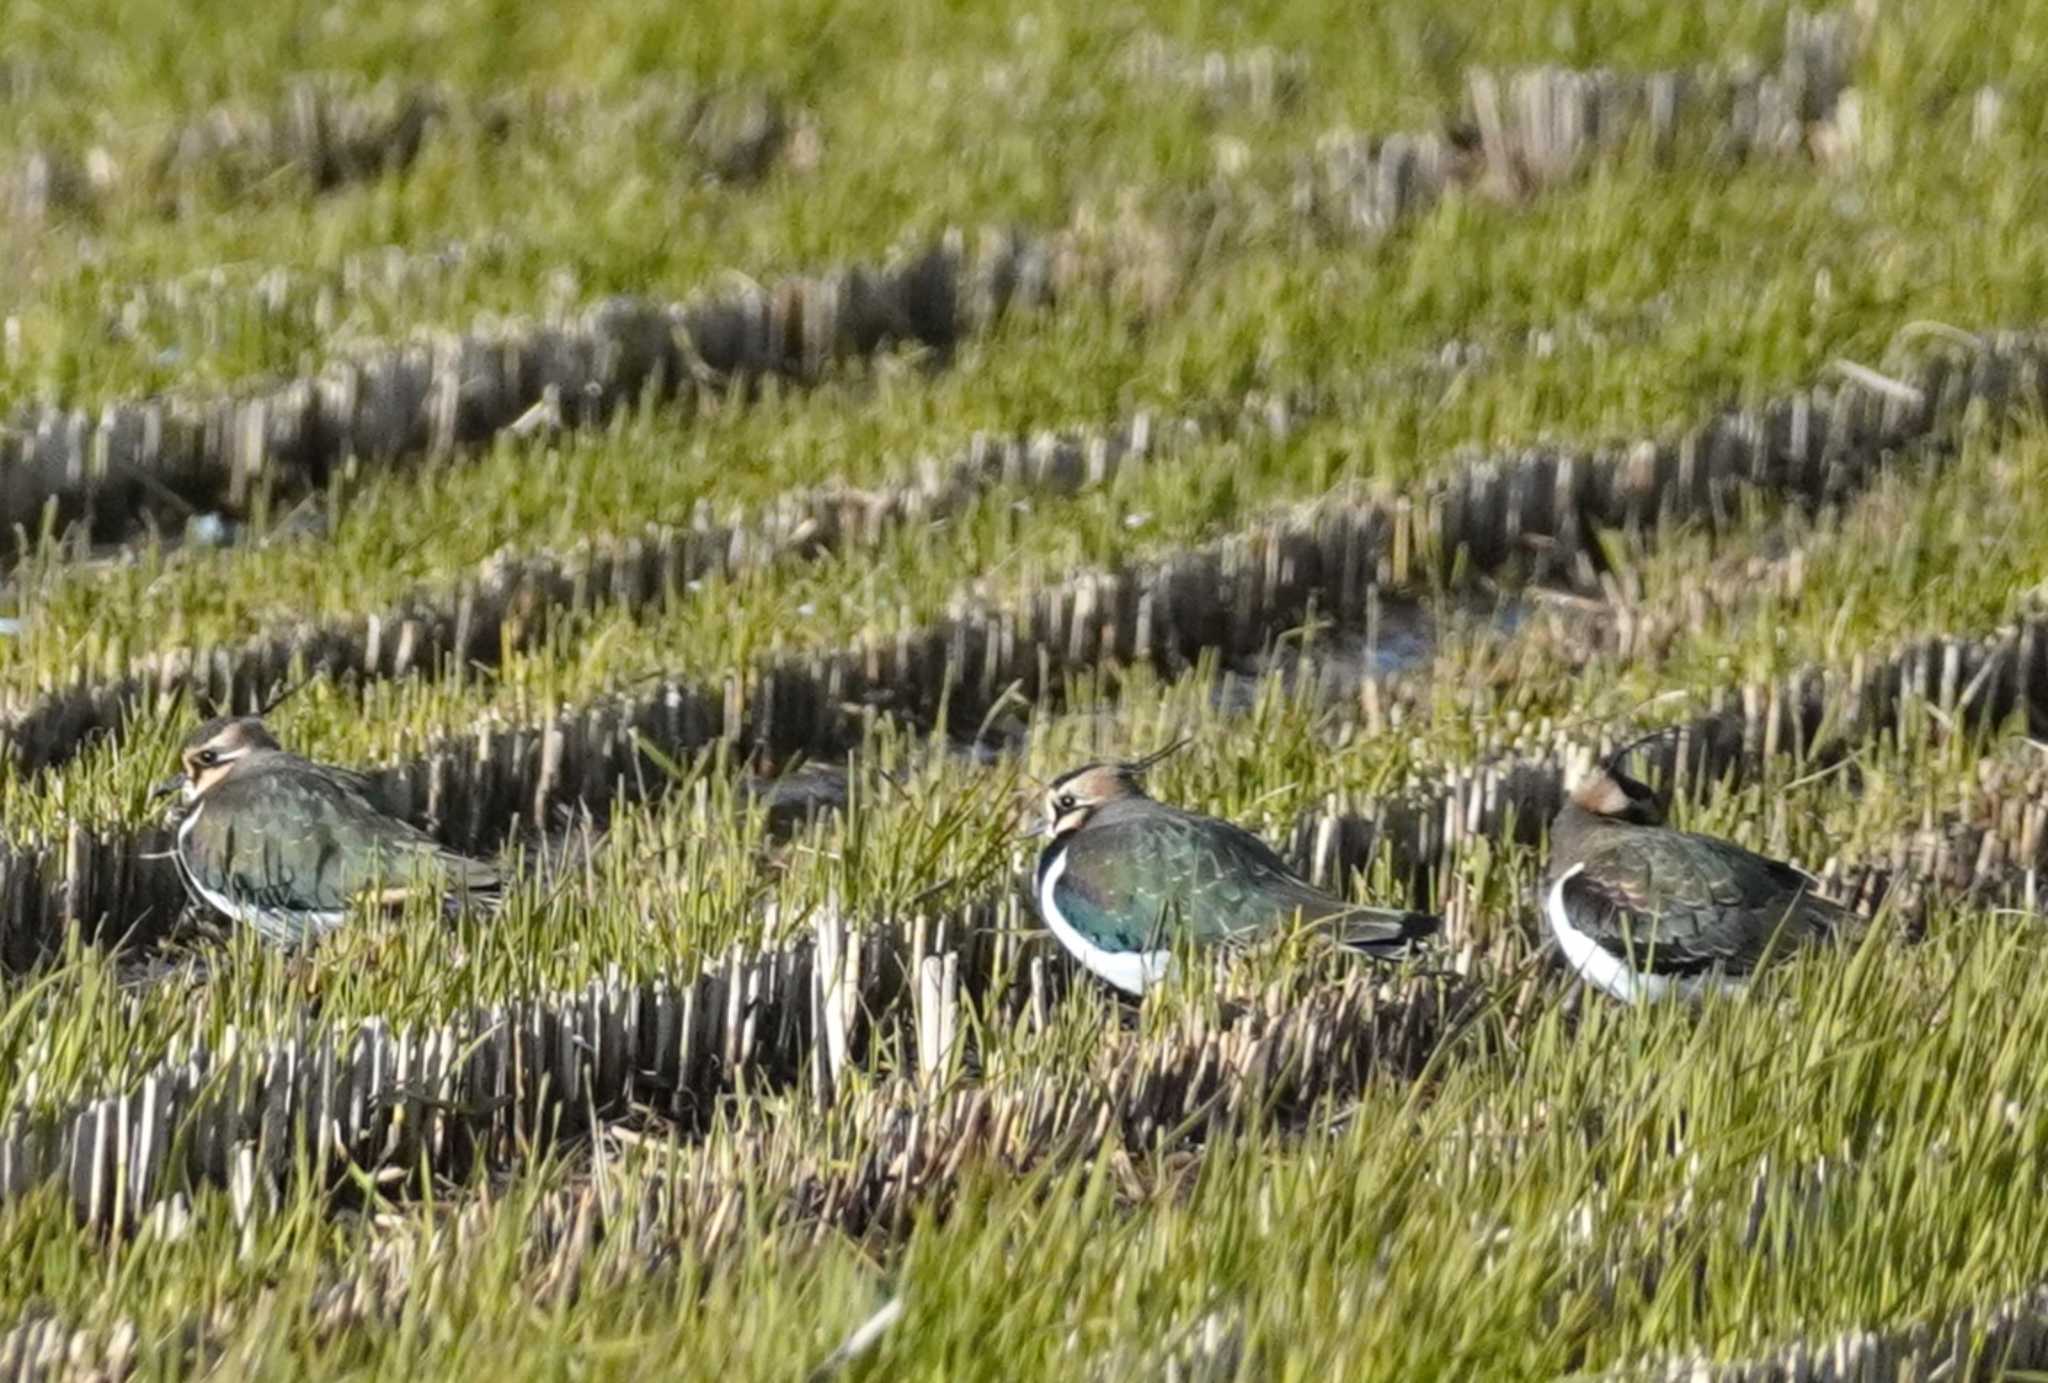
<point x="1612" y="974"/>
<point x="1131" y="971"/>
<point x="275" y="923"/>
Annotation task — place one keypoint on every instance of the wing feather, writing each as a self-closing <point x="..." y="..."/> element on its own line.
<point x="1141" y="882"/>
<point x="1684" y="904"/>
<point x="319" y="844"/>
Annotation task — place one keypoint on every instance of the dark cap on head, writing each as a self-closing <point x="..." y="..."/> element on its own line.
<point x="232" y="732"/>
<point x="1106" y="776"/>
<point x="1071" y="797"/>
<point x="1610" y="792"/>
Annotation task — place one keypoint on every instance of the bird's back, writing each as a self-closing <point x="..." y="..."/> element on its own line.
<point x="299" y="835"/>
<point x="1212" y="881"/>
<point x="1696" y="892"/>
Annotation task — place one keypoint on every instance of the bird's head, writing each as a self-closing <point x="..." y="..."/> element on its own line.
<point x="211" y="752"/>
<point x="1075" y="796"/>
<point x="1612" y="794"/>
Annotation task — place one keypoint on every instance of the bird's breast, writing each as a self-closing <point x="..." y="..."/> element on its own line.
<point x="1047" y="857"/>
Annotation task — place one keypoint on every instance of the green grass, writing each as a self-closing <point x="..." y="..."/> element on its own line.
<point x="1572" y="1201"/>
<point x="1569" y="1186"/>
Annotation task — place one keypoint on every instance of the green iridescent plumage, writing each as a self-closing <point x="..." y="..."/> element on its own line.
<point x="291" y="846"/>
<point x="1127" y="880"/>
<point x="1640" y="908"/>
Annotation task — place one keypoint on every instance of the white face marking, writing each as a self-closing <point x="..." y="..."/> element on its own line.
<point x="1611" y="974"/>
<point x="1065" y="811"/>
<point x="1131" y="971"/>
<point x="203" y="774"/>
<point x="1070" y="820"/>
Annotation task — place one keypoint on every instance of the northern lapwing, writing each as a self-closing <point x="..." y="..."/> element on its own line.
<point x="1645" y="912"/>
<point x="1125" y="880"/>
<point x="289" y="846"/>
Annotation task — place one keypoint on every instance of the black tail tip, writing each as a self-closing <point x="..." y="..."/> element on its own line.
<point x="1391" y="936"/>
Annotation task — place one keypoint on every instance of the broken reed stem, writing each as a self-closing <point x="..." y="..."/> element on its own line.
<point x="527" y="1072"/>
<point x="140" y="463"/>
<point x="1515" y="518"/>
<point x="1231" y="599"/>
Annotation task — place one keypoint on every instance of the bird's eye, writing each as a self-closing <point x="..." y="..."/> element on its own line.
<point x="1065" y="802"/>
<point x="207" y="758"/>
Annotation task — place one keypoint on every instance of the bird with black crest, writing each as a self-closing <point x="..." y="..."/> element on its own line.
<point x="1642" y="911"/>
<point x="1124" y="880"/>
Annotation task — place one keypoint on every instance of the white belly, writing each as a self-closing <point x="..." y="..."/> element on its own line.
<point x="1612" y="974"/>
<point x="1131" y="971"/>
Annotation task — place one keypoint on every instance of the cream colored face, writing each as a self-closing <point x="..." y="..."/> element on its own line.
<point x="1602" y="796"/>
<point x="1070" y="800"/>
<point x="1616" y="798"/>
<point x="211" y="760"/>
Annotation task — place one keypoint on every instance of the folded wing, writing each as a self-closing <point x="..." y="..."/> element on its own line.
<point x="1149" y="882"/>
<point x="316" y="843"/>
<point x="1684" y="905"/>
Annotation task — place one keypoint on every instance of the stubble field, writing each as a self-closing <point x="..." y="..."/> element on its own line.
<point x="721" y="460"/>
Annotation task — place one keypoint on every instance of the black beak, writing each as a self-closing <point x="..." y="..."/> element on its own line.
<point x="174" y="783"/>
<point x="1036" y="829"/>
